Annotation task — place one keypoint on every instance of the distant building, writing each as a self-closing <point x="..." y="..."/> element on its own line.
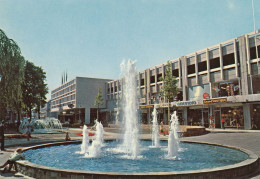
<point x="73" y="101"/>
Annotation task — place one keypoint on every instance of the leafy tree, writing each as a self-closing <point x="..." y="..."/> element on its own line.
<point x="12" y="71"/>
<point x="34" y="88"/>
<point x="99" y="101"/>
<point x="169" y="89"/>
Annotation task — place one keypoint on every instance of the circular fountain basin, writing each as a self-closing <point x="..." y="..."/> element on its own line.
<point x="196" y="160"/>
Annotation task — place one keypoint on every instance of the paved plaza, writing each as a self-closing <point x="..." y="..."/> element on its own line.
<point x="247" y="139"/>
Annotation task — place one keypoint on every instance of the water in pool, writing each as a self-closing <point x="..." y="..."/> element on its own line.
<point x="190" y="157"/>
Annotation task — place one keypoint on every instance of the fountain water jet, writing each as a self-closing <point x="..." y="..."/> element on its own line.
<point x="95" y="149"/>
<point x="85" y="140"/>
<point x="130" y="109"/>
<point x="48" y="125"/>
<point x="173" y="140"/>
<point x="155" y="130"/>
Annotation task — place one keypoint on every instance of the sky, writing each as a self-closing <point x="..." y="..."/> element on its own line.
<point x="90" y="38"/>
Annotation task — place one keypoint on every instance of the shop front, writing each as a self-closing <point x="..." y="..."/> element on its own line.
<point x="233" y="117"/>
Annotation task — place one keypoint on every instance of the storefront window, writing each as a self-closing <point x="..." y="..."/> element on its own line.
<point x="233" y="117"/>
<point x="225" y="89"/>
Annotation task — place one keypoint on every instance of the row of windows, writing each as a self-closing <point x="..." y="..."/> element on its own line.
<point x="214" y="63"/>
<point x="64" y="86"/>
<point x="64" y="99"/>
<point x="64" y="91"/>
<point x="64" y="104"/>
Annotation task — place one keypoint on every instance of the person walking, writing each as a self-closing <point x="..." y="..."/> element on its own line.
<point x="161" y="127"/>
<point x="2" y="135"/>
<point x="29" y="129"/>
<point x="223" y="120"/>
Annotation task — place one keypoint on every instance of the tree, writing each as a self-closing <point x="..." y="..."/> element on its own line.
<point x="34" y="88"/>
<point x="169" y="89"/>
<point x="12" y="70"/>
<point x="99" y="101"/>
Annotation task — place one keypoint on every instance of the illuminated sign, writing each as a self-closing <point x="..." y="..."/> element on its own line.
<point x="146" y="106"/>
<point x="221" y="100"/>
<point x="186" y="103"/>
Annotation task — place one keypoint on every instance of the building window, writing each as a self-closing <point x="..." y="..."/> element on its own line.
<point x="191" y="69"/>
<point x="253" y="52"/>
<point x="228" y="59"/>
<point x="214" y="63"/>
<point x="175" y="73"/>
<point x="159" y="77"/>
<point x="202" y="66"/>
<point x="152" y="79"/>
<point x="142" y="82"/>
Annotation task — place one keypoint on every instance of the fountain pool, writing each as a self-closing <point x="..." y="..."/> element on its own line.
<point x="191" y="157"/>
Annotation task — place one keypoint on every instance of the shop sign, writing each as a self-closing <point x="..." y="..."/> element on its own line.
<point x="146" y="106"/>
<point x="164" y="105"/>
<point x="186" y="103"/>
<point x="221" y="100"/>
<point x="206" y="96"/>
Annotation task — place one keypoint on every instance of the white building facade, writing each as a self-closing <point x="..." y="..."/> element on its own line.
<point x="73" y="101"/>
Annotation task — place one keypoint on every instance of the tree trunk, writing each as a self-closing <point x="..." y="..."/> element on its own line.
<point x="18" y="120"/>
<point x="168" y="112"/>
<point x="30" y="113"/>
<point x="97" y="114"/>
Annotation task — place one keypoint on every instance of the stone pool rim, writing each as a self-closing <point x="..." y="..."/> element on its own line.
<point x="240" y="169"/>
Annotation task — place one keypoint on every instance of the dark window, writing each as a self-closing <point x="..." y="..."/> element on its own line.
<point x="152" y="79"/>
<point x="228" y="59"/>
<point x="112" y="89"/>
<point x="115" y="88"/>
<point x="159" y="77"/>
<point x="175" y="73"/>
<point x="108" y="90"/>
<point x="214" y="63"/>
<point x="253" y="52"/>
<point x="142" y="82"/>
<point x="202" y="66"/>
<point x="191" y="69"/>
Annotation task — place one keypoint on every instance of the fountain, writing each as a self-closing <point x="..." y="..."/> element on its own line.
<point x="48" y="125"/>
<point x="130" y="109"/>
<point x="85" y="140"/>
<point x="95" y="149"/>
<point x="155" y="130"/>
<point x="173" y="139"/>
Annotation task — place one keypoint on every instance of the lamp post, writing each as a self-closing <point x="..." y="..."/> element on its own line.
<point x="2" y="130"/>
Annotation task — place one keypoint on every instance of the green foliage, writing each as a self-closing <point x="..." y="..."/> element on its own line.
<point x="169" y="89"/>
<point x="99" y="101"/>
<point x="12" y="71"/>
<point x="34" y="87"/>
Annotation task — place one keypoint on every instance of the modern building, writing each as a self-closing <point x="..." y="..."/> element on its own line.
<point x="73" y="101"/>
<point x="221" y="81"/>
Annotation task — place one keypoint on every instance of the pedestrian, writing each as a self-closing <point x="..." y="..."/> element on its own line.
<point x="223" y="120"/>
<point x="254" y="126"/>
<point x="2" y="135"/>
<point x="13" y="158"/>
<point x="161" y="127"/>
<point x="67" y="138"/>
<point x="29" y="129"/>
